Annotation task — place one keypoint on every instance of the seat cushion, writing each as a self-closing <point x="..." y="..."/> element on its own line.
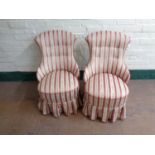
<point x="106" y="86"/>
<point x="60" y="84"/>
<point x="105" y="97"/>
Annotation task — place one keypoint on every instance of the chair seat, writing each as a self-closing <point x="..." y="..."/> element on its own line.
<point x="58" y="92"/>
<point x="106" y="86"/>
<point x="62" y="83"/>
<point x="105" y="97"/>
<point x="58" y="82"/>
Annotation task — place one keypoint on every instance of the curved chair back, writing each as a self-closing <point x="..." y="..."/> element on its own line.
<point x="57" y="52"/>
<point x="107" y="51"/>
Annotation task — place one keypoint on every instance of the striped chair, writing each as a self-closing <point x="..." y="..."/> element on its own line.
<point x="106" y="76"/>
<point x="58" y="73"/>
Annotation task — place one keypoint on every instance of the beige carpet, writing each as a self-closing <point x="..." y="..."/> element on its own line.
<point x="19" y="113"/>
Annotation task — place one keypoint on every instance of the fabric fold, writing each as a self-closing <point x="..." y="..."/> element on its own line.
<point x="57" y="109"/>
<point x="105" y="115"/>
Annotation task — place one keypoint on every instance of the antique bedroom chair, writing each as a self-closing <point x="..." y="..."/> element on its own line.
<point x="58" y="73"/>
<point x="106" y="76"/>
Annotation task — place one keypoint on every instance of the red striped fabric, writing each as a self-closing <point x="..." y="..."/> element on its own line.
<point x="107" y="51"/>
<point x="57" y="74"/>
<point x="106" y="76"/>
<point x="57" y="52"/>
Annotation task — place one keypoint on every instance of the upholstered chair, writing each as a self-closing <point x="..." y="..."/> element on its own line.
<point x="58" y="73"/>
<point x="106" y="76"/>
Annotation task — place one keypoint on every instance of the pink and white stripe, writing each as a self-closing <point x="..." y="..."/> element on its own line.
<point x="58" y="73"/>
<point x="106" y="76"/>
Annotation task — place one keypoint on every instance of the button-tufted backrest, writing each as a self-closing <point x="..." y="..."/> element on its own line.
<point x="57" y="52"/>
<point x="107" y="51"/>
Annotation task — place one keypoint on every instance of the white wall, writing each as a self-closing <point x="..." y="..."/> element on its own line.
<point x="18" y="51"/>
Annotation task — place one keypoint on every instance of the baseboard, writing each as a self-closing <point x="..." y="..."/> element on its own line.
<point x="142" y="74"/>
<point x="31" y="76"/>
<point x="18" y="76"/>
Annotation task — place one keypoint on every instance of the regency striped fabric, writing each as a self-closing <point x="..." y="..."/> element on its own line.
<point x="57" y="52"/>
<point x="106" y="76"/>
<point x="57" y="74"/>
<point x="107" y="51"/>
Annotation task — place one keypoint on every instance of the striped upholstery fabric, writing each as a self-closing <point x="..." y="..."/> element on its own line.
<point x="106" y="76"/>
<point x="58" y="73"/>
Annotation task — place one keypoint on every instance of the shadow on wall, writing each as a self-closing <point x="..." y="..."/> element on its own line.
<point x="81" y="53"/>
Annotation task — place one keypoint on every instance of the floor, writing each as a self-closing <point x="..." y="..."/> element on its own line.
<point x="19" y="113"/>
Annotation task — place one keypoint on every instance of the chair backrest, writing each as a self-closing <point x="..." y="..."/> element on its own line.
<point x="57" y="52"/>
<point x="107" y="51"/>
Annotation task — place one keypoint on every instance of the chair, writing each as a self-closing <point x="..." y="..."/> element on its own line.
<point x="106" y="76"/>
<point x="58" y="73"/>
